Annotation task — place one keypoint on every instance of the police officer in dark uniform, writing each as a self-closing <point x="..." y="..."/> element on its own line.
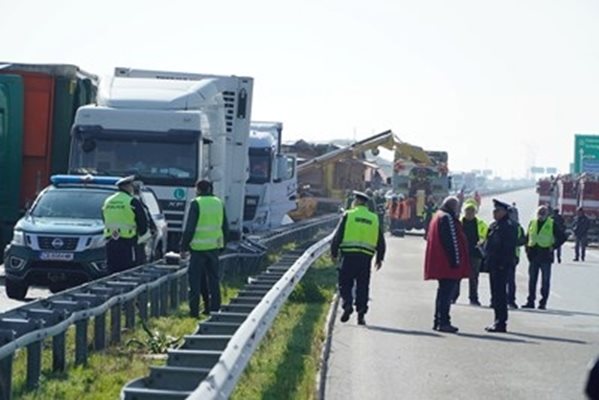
<point x="500" y="249"/>
<point x="124" y="222"/>
<point x="358" y="237"/>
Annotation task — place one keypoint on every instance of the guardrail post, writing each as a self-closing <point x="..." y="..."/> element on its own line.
<point x="81" y="341"/>
<point x="100" y="331"/>
<point x="115" y="324"/>
<point x="154" y="302"/>
<point x="6" y="377"/>
<point x="164" y="298"/>
<point x="34" y="364"/>
<point x="183" y="288"/>
<point x="130" y="314"/>
<point x="142" y="303"/>
<point x="174" y="292"/>
<point x="58" y="353"/>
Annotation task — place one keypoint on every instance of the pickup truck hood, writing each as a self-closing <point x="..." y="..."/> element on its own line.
<point x="68" y="226"/>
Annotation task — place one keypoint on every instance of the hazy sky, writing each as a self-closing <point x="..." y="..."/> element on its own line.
<point x="498" y="84"/>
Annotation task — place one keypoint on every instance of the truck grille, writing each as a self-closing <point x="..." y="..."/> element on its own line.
<point x="57" y="242"/>
<point x="250" y="207"/>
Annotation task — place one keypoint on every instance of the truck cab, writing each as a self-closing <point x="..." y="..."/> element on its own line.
<point x="271" y="188"/>
<point x="170" y="129"/>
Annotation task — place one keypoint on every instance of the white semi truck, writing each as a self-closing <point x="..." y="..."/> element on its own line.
<point x="170" y="129"/>
<point x="271" y="189"/>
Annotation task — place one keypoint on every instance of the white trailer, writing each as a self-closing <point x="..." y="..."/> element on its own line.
<point x="170" y="129"/>
<point x="271" y="189"/>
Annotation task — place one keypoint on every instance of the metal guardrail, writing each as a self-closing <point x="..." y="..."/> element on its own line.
<point x="155" y="289"/>
<point x="223" y="377"/>
<point x="210" y="361"/>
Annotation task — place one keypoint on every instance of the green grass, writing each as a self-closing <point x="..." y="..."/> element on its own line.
<point x="107" y="371"/>
<point x="292" y="345"/>
<point x="286" y="362"/>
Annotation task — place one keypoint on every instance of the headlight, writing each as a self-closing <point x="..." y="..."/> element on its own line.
<point x="18" y="238"/>
<point x="97" y="242"/>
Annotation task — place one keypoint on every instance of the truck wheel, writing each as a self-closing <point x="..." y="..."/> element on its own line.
<point x="16" y="290"/>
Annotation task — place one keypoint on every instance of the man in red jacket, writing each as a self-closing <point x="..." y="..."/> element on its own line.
<point x="446" y="259"/>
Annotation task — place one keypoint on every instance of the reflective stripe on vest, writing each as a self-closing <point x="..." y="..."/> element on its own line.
<point x="209" y="233"/>
<point x="119" y="218"/>
<point x="544" y="238"/>
<point x="361" y="231"/>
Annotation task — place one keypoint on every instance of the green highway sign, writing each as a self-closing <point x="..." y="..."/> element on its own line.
<point x="586" y="153"/>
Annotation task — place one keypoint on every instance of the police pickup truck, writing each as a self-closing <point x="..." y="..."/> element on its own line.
<point x="60" y="243"/>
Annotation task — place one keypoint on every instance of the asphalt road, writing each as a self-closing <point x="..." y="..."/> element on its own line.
<point x="398" y="356"/>
<point x="6" y="304"/>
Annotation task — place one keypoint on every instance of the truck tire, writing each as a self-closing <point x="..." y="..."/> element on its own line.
<point x="16" y="290"/>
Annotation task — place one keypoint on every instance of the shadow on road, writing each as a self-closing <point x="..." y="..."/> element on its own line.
<point x="493" y="337"/>
<point x="547" y="338"/>
<point x="402" y="331"/>
<point x="560" y="313"/>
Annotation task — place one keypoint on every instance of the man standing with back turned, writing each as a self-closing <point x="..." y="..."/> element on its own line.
<point x="124" y="222"/>
<point x="359" y="237"/>
<point x="206" y="233"/>
<point x="446" y="260"/>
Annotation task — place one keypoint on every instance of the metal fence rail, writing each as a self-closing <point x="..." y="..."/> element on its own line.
<point x="224" y="376"/>
<point x="209" y="363"/>
<point x="154" y="288"/>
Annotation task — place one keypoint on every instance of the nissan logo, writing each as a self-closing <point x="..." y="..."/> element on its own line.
<point x="57" y="243"/>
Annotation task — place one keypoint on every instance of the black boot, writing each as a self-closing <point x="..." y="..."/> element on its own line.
<point x="361" y="320"/>
<point x="346" y="314"/>
<point x="496" y="328"/>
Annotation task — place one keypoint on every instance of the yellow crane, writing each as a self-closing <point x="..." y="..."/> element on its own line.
<point x="325" y="167"/>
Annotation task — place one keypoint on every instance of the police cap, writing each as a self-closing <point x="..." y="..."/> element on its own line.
<point x="500" y="204"/>
<point x="361" y="195"/>
<point x="126" y="180"/>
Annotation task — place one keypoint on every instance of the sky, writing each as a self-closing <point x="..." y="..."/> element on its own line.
<point x="501" y="85"/>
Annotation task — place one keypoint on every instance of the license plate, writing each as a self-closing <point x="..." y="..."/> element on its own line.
<point x="56" y="256"/>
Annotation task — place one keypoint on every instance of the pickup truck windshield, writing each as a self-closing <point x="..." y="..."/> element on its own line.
<point x="155" y="161"/>
<point x="71" y="203"/>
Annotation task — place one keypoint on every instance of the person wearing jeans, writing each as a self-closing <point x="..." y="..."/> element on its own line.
<point x="580" y="227"/>
<point x="543" y="237"/>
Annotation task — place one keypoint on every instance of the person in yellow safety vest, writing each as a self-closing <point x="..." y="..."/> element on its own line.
<point x="475" y="230"/>
<point x="511" y="276"/>
<point x="205" y="236"/>
<point x="358" y="237"/>
<point x="124" y="223"/>
<point x="543" y="236"/>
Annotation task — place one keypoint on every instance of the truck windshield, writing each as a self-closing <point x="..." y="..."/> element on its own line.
<point x="70" y="203"/>
<point x="156" y="162"/>
<point x="259" y="168"/>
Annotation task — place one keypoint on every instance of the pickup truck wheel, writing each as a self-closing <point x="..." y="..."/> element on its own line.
<point x="16" y="290"/>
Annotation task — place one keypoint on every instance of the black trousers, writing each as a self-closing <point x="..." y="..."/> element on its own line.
<point x="445" y="292"/>
<point x="204" y="272"/>
<point x="121" y="254"/>
<point x="499" y="294"/>
<point x="511" y="285"/>
<point x="355" y="269"/>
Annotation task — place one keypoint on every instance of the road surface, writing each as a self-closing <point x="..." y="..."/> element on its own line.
<point x="6" y="304"/>
<point x="398" y="355"/>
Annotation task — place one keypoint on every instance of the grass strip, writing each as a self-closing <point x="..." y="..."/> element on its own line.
<point x="109" y="370"/>
<point x="286" y="362"/>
